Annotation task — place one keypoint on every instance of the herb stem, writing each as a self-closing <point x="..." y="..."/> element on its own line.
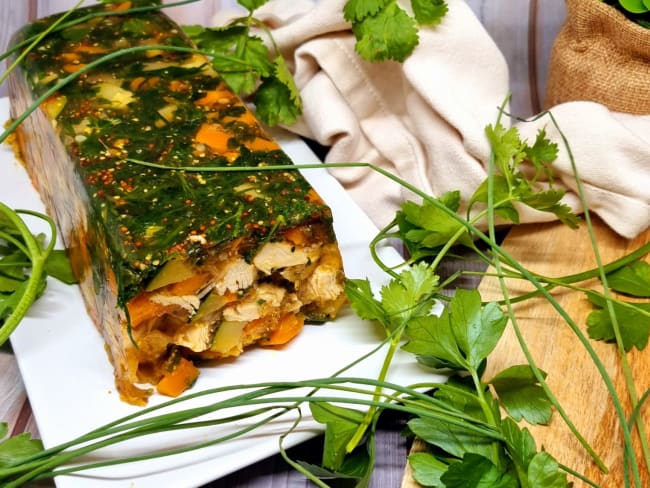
<point x="629" y="449"/>
<point x="37" y="256"/>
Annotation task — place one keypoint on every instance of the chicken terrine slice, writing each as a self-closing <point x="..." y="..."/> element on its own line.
<point x="175" y="266"/>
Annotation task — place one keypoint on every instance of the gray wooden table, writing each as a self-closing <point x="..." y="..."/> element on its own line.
<point x="523" y="29"/>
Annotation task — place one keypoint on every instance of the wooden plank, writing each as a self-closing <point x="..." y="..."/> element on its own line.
<point x="554" y="250"/>
<point x="13" y="15"/>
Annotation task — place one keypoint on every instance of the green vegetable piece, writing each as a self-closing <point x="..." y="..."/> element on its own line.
<point x="432" y="337"/>
<point x="521" y="395"/>
<point x="410" y="295"/>
<point x="477" y="328"/>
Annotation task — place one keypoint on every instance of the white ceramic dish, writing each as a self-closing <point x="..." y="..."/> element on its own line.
<point x="69" y="380"/>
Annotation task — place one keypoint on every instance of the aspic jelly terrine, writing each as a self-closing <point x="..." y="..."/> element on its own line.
<point x="175" y="266"/>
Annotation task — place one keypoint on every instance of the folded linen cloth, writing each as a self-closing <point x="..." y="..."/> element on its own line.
<point x="424" y="119"/>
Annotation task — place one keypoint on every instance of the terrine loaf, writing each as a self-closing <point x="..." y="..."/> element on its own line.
<point x="175" y="266"/>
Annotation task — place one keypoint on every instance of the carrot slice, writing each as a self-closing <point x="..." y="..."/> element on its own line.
<point x="214" y="137"/>
<point x="141" y="308"/>
<point x="290" y="326"/>
<point x="182" y="377"/>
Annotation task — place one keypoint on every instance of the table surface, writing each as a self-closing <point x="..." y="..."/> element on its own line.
<point x="521" y="28"/>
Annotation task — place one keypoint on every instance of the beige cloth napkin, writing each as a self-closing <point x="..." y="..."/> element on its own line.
<point x="424" y="119"/>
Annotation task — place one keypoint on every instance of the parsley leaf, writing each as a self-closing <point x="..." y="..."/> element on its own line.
<point x="521" y="444"/>
<point x="409" y="295"/>
<point x="384" y="30"/>
<point x="357" y="10"/>
<point x="427" y="469"/>
<point x="633" y="279"/>
<point x="521" y="395"/>
<point x="429" y="12"/>
<point x="545" y="472"/>
<point x="633" y="320"/>
<point x="464" y="334"/>
<point x="14" y="449"/>
<point x="251" y="4"/>
<point x="541" y="153"/>
<point x="476" y="471"/>
<point x="454" y="439"/>
<point x="512" y="185"/>
<point x="244" y="61"/>
<point x="241" y="59"/>
<point x="362" y="300"/>
<point x="390" y="34"/>
<point x="424" y="228"/>
<point x="340" y="425"/>
<point x="277" y="99"/>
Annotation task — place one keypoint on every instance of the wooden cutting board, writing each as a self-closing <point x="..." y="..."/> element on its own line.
<point x="555" y="250"/>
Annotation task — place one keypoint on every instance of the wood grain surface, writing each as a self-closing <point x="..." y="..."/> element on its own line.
<point x="554" y="250"/>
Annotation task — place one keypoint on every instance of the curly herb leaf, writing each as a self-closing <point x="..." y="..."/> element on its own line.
<point x="357" y="10"/>
<point x="384" y="30"/>
<point x="409" y="295"/>
<point x="390" y="34"/>
<point x="522" y="396"/>
<point x="633" y="321"/>
<point x="512" y="185"/>
<point x="245" y="63"/>
<point x="429" y="12"/>
<point x="425" y="228"/>
<point x="277" y="100"/>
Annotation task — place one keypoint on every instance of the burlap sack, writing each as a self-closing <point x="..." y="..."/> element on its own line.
<point x="600" y="56"/>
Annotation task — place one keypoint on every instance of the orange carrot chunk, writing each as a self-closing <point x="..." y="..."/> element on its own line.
<point x="290" y="326"/>
<point x="179" y="379"/>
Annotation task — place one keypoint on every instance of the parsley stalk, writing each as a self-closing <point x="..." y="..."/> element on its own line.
<point x="631" y="388"/>
<point x="37" y="256"/>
